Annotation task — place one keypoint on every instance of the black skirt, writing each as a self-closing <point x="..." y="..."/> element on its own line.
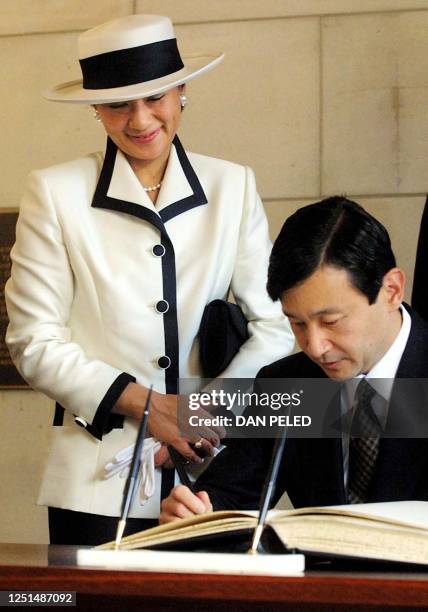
<point x="83" y="529"/>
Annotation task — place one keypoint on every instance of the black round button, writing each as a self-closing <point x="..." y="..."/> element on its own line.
<point x="162" y="306"/>
<point x="158" y="250"/>
<point x="164" y="362"/>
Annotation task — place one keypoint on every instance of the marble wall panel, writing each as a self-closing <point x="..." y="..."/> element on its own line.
<point x="25" y="16"/>
<point x="39" y="133"/>
<point x="375" y="86"/>
<point x="261" y="106"/>
<point x="188" y="11"/>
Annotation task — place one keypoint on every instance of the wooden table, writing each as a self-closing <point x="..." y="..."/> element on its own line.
<point x="42" y="568"/>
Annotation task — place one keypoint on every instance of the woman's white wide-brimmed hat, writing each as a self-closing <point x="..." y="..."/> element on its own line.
<point x="129" y="58"/>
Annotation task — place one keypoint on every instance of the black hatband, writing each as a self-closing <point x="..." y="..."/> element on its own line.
<point x="131" y="66"/>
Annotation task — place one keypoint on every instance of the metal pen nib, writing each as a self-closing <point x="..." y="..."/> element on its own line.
<point x="253" y="550"/>
<point x="119" y="533"/>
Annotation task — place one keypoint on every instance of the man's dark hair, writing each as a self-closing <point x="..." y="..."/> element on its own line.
<point x="337" y="232"/>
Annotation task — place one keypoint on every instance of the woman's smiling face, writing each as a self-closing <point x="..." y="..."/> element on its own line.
<point x="143" y="129"/>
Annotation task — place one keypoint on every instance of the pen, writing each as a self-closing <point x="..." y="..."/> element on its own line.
<point x="131" y="481"/>
<point x="179" y="461"/>
<point x="268" y="490"/>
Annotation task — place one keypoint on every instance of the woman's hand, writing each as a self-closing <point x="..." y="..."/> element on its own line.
<point x="182" y="503"/>
<point x="163" y="422"/>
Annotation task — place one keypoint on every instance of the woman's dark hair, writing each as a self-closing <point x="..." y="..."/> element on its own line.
<point x="337" y="232"/>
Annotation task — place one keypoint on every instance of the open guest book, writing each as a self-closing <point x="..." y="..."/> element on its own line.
<point x="389" y="531"/>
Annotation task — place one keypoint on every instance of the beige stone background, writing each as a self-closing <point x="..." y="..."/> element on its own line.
<point x="318" y="96"/>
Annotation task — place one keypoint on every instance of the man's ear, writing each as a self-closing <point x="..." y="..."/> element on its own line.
<point x="393" y="287"/>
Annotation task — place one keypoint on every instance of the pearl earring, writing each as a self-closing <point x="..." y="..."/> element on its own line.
<point x="183" y="100"/>
<point x="97" y="115"/>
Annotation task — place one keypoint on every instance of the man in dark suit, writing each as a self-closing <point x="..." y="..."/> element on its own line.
<point x="334" y="271"/>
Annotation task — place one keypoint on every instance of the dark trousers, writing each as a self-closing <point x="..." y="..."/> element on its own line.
<point x="82" y="529"/>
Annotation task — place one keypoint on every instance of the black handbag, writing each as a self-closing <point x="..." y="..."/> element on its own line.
<point x="222" y="331"/>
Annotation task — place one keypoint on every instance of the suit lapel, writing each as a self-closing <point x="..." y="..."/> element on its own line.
<point x="119" y="189"/>
<point x="181" y="190"/>
<point x="175" y="185"/>
<point x="125" y="186"/>
<point x="414" y="361"/>
<point x="402" y="458"/>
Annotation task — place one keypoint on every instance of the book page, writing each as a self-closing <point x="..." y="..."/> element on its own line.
<point x="405" y="513"/>
<point x="210" y="522"/>
<point x="354" y="537"/>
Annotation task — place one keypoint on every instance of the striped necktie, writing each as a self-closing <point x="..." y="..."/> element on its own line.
<point x="363" y="444"/>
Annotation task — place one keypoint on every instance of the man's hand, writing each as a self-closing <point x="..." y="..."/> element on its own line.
<point x="163" y="423"/>
<point x="182" y="503"/>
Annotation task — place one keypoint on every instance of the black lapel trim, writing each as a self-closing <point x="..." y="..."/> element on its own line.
<point x="58" y="420"/>
<point x="197" y="199"/>
<point x="102" y="200"/>
<point x="106" y="174"/>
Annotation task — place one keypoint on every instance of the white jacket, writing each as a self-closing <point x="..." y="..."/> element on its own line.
<point x="93" y="263"/>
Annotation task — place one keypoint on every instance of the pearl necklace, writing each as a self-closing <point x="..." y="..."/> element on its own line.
<point x="153" y="187"/>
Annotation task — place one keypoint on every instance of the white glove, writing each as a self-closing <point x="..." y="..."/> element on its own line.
<point x="122" y="461"/>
